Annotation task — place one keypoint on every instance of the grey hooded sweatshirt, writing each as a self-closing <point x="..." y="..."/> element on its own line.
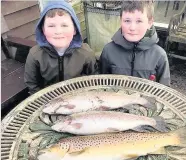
<point x="144" y="59"/>
<point x="44" y="66"/>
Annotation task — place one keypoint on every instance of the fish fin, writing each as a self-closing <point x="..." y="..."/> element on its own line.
<point x="127" y="107"/>
<point x="161" y="150"/>
<point x="139" y="129"/>
<point x="112" y="130"/>
<point x="57" y="149"/>
<point x="69" y="106"/>
<point x="150" y="102"/>
<point x="160" y="124"/>
<point x="181" y="136"/>
<point x="104" y="108"/>
<point x="179" y="153"/>
<point x="149" y="128"/>
<point x="76" y="125"/>
<point x="77" y="152"/>
<point x="130" y="156"/>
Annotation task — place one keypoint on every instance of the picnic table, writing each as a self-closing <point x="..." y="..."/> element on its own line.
<point x="13" y="88"/>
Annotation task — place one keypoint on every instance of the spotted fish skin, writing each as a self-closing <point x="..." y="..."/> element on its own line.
<point x="115" y="146"/>
<point x="105" y="121"/>
<point x="95" y="101"/>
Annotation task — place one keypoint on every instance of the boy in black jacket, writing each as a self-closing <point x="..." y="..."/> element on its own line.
<point x="133" y="50"/>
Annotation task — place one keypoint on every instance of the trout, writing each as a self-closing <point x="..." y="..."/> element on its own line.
<point x="96" y="122"/>
<point x="96" y="101"/>
<point x="113" y="146"/>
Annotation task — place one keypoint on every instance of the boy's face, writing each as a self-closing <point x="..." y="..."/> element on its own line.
<point x="59" y="30"/>
<point x="134" y="25"/>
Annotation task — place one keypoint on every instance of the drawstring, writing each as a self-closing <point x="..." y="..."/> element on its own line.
<point x="133" y="59"/>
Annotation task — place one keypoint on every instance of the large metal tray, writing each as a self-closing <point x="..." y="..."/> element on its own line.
<point x="24" y="132"/>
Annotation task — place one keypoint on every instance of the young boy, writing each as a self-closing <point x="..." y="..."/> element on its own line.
<point x="133" y="50"/>
<point x="60" y="53"/>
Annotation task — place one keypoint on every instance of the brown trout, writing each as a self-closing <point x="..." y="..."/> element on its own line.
<point x="113" y="146"/>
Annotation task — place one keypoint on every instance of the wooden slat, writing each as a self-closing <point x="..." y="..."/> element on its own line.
<point x="8" y="66"/>
<point x="22" y="17"/>
<point x="8" y="7"/>
<point x="20" y="41"/>
<point x="31" y="37"/>
<point x="4" y="27"/>
<point x="12" y="84"/>
<point x="23" y="31"/>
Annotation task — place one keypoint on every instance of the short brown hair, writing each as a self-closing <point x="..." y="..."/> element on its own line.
<point x="60" y="12"/>
<point x="132" y="5"/>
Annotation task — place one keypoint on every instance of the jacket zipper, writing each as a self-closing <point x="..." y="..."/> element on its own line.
<point x="133" y="59"/>
<point x="61" y="68"/>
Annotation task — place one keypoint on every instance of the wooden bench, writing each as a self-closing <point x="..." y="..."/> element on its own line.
<point x="177" y="33"/>
<point x="13" y="89"/>
<point x="23" y="46"/>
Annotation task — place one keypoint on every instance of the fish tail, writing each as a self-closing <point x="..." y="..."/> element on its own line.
<point x="149" y="102"/>
<point x="178" y="151"/>
<point x="181" y="136"/>
<point x="160" y="124"/>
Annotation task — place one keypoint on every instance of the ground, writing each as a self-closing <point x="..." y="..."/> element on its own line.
<point x="178" y="76"/>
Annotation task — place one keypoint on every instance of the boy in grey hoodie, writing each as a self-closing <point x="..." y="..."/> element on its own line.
<point x="60" y="53"/>
<point x="133" y="50"/>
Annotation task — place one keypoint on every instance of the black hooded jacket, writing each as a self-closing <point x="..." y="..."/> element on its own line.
<point x="144" y="59"/>
<point x="45" y="67"/>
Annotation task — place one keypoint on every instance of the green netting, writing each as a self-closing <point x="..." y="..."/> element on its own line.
<point x="101" y="29"/>
<point x="103" y="19"/>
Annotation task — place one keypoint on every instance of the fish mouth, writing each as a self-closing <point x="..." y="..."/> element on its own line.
<point x="55" y="108"/>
